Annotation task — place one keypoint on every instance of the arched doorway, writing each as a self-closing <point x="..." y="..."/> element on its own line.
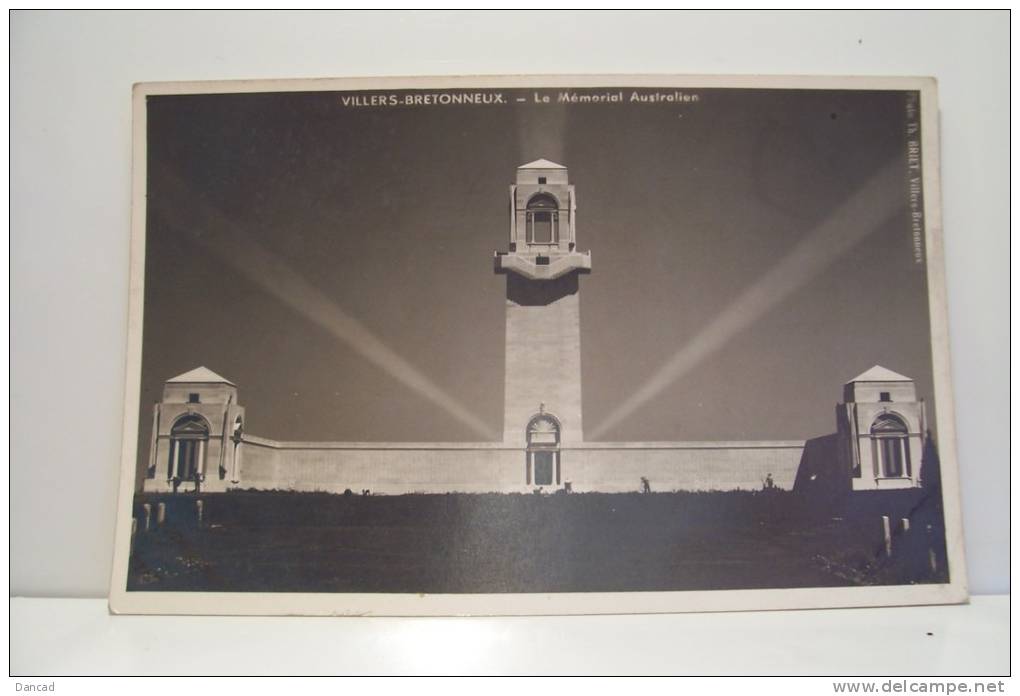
<point x="188" y="438"/>
<point x="543" y="454"/>
<point x="890" y="447"/>
<point x="542" y="218"/>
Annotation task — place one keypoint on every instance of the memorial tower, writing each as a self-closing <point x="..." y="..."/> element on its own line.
<point x="542" y="397"/>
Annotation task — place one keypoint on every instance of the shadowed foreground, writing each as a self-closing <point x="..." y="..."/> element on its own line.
<point x="309" y="542"/>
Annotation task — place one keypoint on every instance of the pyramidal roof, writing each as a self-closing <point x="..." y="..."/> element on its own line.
<point x="880" y="374"/>
<point x="541" y="164"/>
<point x="201" y="374"/>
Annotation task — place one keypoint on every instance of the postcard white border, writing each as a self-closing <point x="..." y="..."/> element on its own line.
<point x="122" y="601"/>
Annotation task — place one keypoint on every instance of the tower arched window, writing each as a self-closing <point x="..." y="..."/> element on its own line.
<point x="543" y="455"/>
<point x="188" y="439"/>
<point x="542" y="219"/>
<point x="890" y="447"/>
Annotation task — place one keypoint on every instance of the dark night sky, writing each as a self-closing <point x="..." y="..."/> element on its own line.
<point x="393" y="214"/>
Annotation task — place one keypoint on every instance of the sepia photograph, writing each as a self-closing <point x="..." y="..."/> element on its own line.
<point x="537" y="345"/>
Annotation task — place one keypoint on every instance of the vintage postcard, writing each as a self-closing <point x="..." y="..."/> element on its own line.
<point x="553" y="345"/>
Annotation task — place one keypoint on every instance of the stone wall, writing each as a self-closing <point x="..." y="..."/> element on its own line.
<point x="391" y="468"/>
<point x="681" y="466"/>
<point x="394" y="468"/>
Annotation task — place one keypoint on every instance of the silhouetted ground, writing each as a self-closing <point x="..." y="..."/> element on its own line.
<point x="310" y="542"/>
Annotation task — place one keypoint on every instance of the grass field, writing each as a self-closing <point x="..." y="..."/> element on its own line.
<point x="309" y="542"/>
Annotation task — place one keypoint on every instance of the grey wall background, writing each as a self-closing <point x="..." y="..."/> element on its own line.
<point x="71" y="79"/>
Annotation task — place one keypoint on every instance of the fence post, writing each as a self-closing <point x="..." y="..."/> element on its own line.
<point x="199" y="509"/>
<point x="887" y="533"/>
<point x="932" y="558"/>
<point x="147" y="509"/>
<point x="160" y="514"/>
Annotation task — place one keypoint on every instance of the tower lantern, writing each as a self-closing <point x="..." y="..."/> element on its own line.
<point x="543" y="224"/>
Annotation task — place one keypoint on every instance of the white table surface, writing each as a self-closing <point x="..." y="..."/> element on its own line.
<point x="54" y="637"/>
